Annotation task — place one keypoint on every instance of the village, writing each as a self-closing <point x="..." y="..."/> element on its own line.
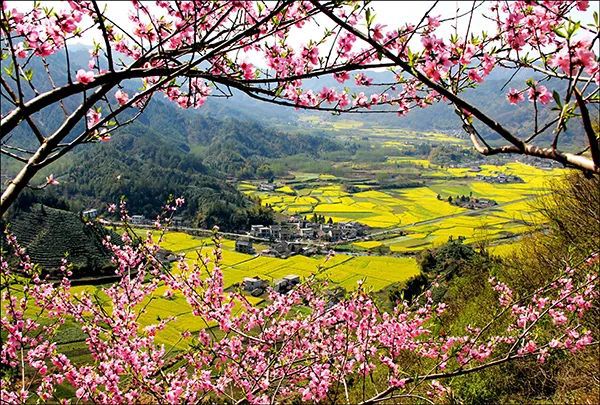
<point x="500" y="178"/>
<point x="299" y="236"/>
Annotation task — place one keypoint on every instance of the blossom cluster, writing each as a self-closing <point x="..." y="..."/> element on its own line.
<point x="298" y="345"/>
<point x="190" y="51"/>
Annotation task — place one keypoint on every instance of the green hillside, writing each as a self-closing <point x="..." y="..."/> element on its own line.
<point x="48" y="234"/>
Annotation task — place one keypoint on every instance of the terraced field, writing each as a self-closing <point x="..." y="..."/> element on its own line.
<point x="427" y="219"/>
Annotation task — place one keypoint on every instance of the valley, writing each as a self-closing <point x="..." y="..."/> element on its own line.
<point x="387" y="183"/>
<point x="323" y="202"/>
<point x="409" y="202"/>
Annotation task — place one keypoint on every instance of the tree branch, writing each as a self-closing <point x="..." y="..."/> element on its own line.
<point x="589" y="129"/>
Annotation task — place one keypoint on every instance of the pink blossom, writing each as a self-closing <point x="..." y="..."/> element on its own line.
<point x="93" y="117"/>
<point x="122" y="97"/>
<point x="44" y="49"/>
<point x="50" y="180"/>
<point x="433" y="22"/>
<point x="343" y="100"/>
<point x="84" y="77"/>
<point x="328" y="95"/>
<point x="540" y="93"/>
<point x="247" y="70"/>
<point x="467" y="54"/>
<point x="488" y="63"/>
<point x="362" y="80"/>
<point x="345" y="44"/>
<point x="582" y="5"/>
<point x="475" y="76"/>
<point x="341" y="76"/>
<point x="431" y="70"/>
<point x="554" y="343"/>
<point x="377" y="32"/>
<point x="20" y="51"/>
<point x="311" y="54"/>
<point x="403" y="108"/>
<point x="514" y="96"/>
<point x="528" y="348"/>
<point x="104" y="136"/>
<point x="361" y="100"/>
<point x="578" y="55"/>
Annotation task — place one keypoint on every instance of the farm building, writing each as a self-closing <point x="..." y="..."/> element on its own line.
<point x="252" y="283"/>
<point x="261" y="231"/>
<point x="292" y="279"/>
<point x="90" y="213"/>
<point x="286" y="283"/>
<point x="138" y="219"/>
<point x="266" y="187"/>
<point x="244" y="246"/>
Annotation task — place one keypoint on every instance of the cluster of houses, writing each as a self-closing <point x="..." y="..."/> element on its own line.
<point x="471" y="202"/>
<point x="281" y="249"/>
<point x="89" y="213"/>
<point x="142" y="220"/>
<point x="257" y="286"/>
<point x="266" y="187"/>
<point x="500" y="178"/>
<point x="298" y="229"/>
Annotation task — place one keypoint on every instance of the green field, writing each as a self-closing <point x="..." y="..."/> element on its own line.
<point x="376" y="272"/>
<point x="344" y="270"/>
<point x="427" y="220"/>
<point x="348" y="128"/>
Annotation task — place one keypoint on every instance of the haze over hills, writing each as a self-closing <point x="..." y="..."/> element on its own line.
<point x="489" y="97"/>
<point x="191" y="152"/>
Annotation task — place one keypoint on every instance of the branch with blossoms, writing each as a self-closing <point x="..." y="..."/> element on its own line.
<point x="189" y="51"/>
<point x="305" y="345"/>
<point x="449" y="69"/>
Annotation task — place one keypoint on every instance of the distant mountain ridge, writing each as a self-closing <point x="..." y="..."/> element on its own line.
<point x="168" y="150"/>
<point x="489" y="96"/>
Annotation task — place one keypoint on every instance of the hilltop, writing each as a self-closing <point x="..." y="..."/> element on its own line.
<point x="48" y="234"/>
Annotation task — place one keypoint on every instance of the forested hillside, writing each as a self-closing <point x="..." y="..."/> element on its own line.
<point x="170" y="151"/>
<point x="190" y="152"/>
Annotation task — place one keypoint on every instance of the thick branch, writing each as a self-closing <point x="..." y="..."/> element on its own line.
<point x="518" y="146"/>
<point x="589" y="129"/>
<point x="30" y="169"/>
<point x="104" y="35"/>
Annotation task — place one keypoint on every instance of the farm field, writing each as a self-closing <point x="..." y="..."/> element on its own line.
<point x="390" y="136"/>
<point x="422" y="212"/>
<point x="375" y="271"/>
<point x="344" y="270"/>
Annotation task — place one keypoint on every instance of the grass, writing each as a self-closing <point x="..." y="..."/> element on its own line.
<point x="505" y="249"/>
